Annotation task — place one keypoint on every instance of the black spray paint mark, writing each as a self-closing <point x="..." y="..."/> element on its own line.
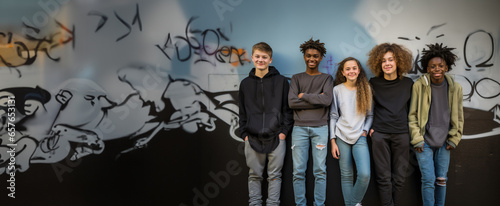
<point x="104" y="19"/>
<point x="196" y="40"/>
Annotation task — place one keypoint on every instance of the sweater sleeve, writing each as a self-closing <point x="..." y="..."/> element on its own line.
<point x="369" y="119"/>
<point x="310" y="101"/>
<point x="294" y="101"/>
<point x="324" y="99"/>
<point x="334" y="115"/>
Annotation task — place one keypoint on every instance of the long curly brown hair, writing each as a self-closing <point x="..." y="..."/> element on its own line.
<point x="311" y="44"/>
<point x="402" y="55"/>
<point x="363" y="89"/>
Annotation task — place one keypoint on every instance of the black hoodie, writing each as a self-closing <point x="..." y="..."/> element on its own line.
<point x="264" y="111"/>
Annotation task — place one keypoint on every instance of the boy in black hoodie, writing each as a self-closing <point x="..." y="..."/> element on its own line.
<point x="265" y="121"/>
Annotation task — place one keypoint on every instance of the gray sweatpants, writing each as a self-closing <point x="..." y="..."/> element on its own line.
<point x="256" y="162"/>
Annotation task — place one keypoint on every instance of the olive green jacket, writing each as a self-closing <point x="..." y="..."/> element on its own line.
<point x="420" y="105"/>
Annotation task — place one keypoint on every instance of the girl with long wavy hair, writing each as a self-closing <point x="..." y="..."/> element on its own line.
<point x="351" y="117"/>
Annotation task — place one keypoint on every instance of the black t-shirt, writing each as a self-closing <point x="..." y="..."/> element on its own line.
<point x="392" y="101"/>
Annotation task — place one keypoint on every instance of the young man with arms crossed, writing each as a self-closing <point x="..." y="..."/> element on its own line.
<point x="265" y="121"/>
<point x="310" y="97"/>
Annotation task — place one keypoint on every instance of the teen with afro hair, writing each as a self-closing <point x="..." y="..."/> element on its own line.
<point x="436" y="120"/>
<point x="310" y="97"/>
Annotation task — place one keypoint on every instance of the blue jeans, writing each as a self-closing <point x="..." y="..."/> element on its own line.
<point x="354" y="192"/>
<point x="302" y="138"/>
<point x="433" y="165"/>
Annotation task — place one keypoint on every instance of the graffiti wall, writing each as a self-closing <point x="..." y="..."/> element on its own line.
<point x="134" y="102"/>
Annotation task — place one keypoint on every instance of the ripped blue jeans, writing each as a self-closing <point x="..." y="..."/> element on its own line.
<point x="302" y="138"/>
<point x="433" y="165"/>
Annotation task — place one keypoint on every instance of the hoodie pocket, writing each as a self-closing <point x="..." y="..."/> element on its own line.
<point x="264" y="126"/>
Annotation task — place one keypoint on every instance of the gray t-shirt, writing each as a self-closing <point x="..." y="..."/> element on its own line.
<point x="439" y="116"/>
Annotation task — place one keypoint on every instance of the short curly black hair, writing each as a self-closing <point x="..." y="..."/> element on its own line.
<point x="311" y="44"/>
<point x="437" y="50"/>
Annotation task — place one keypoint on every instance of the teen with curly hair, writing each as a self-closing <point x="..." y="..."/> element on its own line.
<point x="351" y="117"/>
<point x="436" y="120"/>
<point x="310" y="97"/>
<point x="390" y="134"/>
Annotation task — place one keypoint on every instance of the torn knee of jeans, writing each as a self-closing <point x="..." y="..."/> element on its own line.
<point x="320" y="146"/>
<point x="441" y="181"/>
<point x="293" y="146"/>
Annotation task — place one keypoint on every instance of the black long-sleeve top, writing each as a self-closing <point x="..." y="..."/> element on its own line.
<point x="392" y="101"/>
